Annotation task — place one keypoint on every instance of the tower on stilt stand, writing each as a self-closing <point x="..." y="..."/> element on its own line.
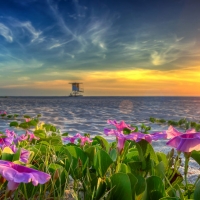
<point x="77" y="91"/>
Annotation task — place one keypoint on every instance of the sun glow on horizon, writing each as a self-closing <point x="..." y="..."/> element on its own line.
<point x="134" y="82"/>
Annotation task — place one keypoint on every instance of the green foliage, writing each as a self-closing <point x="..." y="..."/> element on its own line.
<point x="155" y="188"/>
<point x="40" y="133"/>
<point x="152" y="119"/>
<point x="173" y="123"/>
<point x="102" y="162"/>
<point x="32" y="123"/>
<point x="197" y="191"/>
<point x="196" y="156"/>
<point x="27" y="116"/>
<point x="182" y="121"/>
<point x="103" y="142"/>
<point x="7" y="154"/>
<point x="15" y="124"/>
<point x="76" y="161"/>
<point x="145" y="129"/>
<point x="49" y="127"/>
<point x="65" y="134"/>
<point x="24" y="125"/>
<point x="136" y="128"/>
<point x="121" y="186"/>
<point x="98" y="170"/>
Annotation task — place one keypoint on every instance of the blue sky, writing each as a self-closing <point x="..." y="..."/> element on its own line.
<point x="108" y="45"/>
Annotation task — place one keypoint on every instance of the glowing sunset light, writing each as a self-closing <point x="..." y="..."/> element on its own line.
<point x="133" y="48"/>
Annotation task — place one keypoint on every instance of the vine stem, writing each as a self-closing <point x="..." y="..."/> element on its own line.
<point x="187" y="158"/>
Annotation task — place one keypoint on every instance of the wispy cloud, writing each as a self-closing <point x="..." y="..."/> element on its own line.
<point x="61" y="21"/>
<point x="6" y="33"/>
<point x="56" y="45"/>
<point x="80" y="10"/>
<point x="20" y="28"/>
<point x="24" y="78"/>
<point x="29" y="27"/>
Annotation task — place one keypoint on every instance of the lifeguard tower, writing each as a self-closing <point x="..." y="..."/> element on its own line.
<point x="76" y="90"/>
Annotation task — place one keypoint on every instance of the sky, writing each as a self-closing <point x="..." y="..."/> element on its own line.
<point x="113" y="47"/>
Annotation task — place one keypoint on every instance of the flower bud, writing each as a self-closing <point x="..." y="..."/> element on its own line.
<point x="2" y="180"/>
<point x="56" y="175"/>
<point x="171" y="154"/>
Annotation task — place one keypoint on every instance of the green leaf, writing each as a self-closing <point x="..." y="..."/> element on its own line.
<point x="170" y="198"/>
<point x="101" y="188"/>
<point x="196" y="156"/>
<point x="132" y="156"/>
<point x="15" y="124"/>
<point x="160" y="170"/>
<point x="152" y="119"/>
<point x="121" y="187"/>
<point x="52" y="140"/>
<point x="136" y="128"/>
<point x="155" y="188"/>
<point x="103" y="142"/>
<point x="76" y="162"/>
<point x="32" y="123"/>
<point x="24" y="125"/>
<point x="16" y="115"/>
<point x="140" y="186"/>
<point x="162" y="158"/>
<point x="91" y="151"/>
<point x="160" y="120"/>
<point x="197" y="191"/>
<point x="121" y="167"/>
<point x="126" y="131"/>
<point x="7" y="154"/>
<point x="65" y="134"/>
<point x="134" y="182"/>
<point x="113" y="154"/>
<point x="40" y="133"/>
<point x="145" y="150"/>
<point x="136" y="167"/>
<point x="17" y="155"/>
<point x="102" y="162"/>
<point x="27" y="116"/>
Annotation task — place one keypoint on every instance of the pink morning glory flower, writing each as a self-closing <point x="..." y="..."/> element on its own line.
<point x="120" y="126"/>
<point x="27" y="119"/>
<point x="186" y="142"/>
<point x="16" y="174"/>
<point x="172" y="132"/>
<point x="121" y="137"/>
<point x="6" y="141"/>
<point x="31" y="136"/>
<point x="24" y="155"/>
<point x="10" y="133"/>
<point x="84" y="140"/>
<point x="71" y="139"/>
<point x="20" y="138"/>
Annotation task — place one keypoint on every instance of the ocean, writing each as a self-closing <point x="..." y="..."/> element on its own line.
<point x="89" y="114"/>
